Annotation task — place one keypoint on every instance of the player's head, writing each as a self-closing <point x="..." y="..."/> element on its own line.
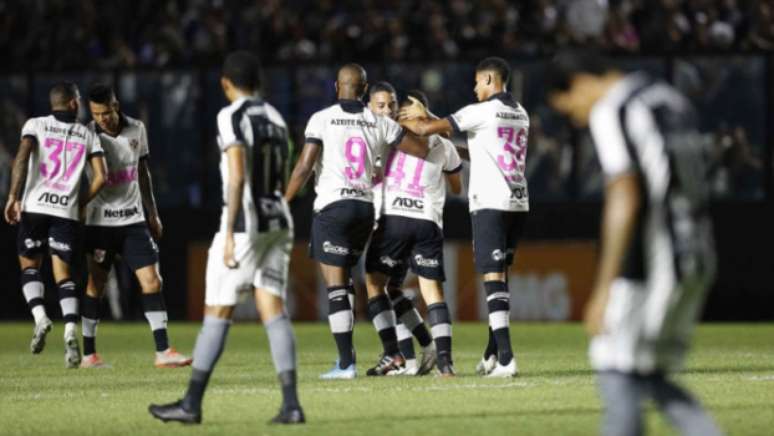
<point x="241" y="75"/>
<point x="64" y="96"/>
<point x="575" y="80"/>
<point x="415" y="95"/>
<point x="351" y="82"/>
<point x="104" y="108"/>
<point x="492" y="76"/>
<point x="383" y="100"/>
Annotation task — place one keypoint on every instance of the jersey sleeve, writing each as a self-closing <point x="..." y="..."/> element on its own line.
<point x="227" y="135"/>
<point x="144" y="149"/>
<point x="30" y="129"/>
<point x="452" y="161"/>
<point x="314" y="130"/>
<point x="94" y="145"/>
<point x="610" y="141"/>
<point x="391" y="132"/>
<point x="466" y="119"/>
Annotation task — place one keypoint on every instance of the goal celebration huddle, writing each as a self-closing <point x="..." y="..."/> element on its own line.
<point x="381" y="163"/>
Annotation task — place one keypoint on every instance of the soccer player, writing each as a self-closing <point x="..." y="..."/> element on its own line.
<point x="342" y="145"/>
<point x="383" y="100"/>
<point x="409" y="233"/>
<point x="496" y="129"/>
<point x="116" y="225"/>
<point x="251" y="251"/>
<point x="657" y="251"/>
<point x="52" y="156"/>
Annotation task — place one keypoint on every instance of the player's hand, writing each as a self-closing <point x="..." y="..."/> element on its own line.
<point x="155" y="227"/>
<point x="594" y="314"/>
<point x="412" y="125"/>
<point x="415" y="110"/>
<point x="228" y="252"/>
<point x="12" y="211"/>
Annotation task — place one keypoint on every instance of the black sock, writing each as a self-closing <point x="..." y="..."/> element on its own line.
<point x="491" y="346"/>
<point x="422" y="334"/>
<point x="90" y="319"/>
<point x="498" y="303"/>
<point x="440" y="323"/>
<point x="404" y="310"/>
<point x="192" y="401"/>
<point x="340" y="319"/>
<point x="381" y="314"/>
<point x="289" y="391"/>
<point x="161" y="339"/>
<point x="406" y="348"/>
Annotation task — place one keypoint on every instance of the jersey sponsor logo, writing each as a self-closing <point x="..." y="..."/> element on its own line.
<point x="352" y="123"/>
<point x="32" y="243"/>
<point x="425" y="262"/>
<point x="390" y="262"/>
<point x="352" y="192"/>
<point x="121" y="213"/>
<point x="408" y="203"/>
<point x="519" y="193"/>
<point x="120" y="177"/>
<point x="338" y="250"/>
<point x="57" y="245"/>
<point x="54" y="199"/>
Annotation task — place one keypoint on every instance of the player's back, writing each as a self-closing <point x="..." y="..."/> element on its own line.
<point x="259" y="127"/>
<point x="56" y="164"/>
<point x="496" y="131"/>
<point x="352" y="139"/>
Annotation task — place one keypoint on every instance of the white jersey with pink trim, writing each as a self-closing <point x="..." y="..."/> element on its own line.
<point x="352" y="139"/>
<point x="119" y="203"/>
<point x="56" y="164"/>
<point x="496" y="130"/>
<point x="414" y="187"/>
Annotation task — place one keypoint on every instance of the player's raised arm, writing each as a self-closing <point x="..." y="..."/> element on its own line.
<point x="18" y="174"/>
<point x="622" y="204"/>
<point x="303" y="169"/>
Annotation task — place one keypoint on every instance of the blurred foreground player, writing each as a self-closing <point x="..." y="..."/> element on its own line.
<point x="251" y="251"/>
<point x="51" y="158"/>
<point x="657" y="251"/>
<point x="343" y="143"/>
<point x="116" y="224"/>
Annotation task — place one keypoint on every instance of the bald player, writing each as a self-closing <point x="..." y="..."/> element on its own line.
<point x="343" y="143"/>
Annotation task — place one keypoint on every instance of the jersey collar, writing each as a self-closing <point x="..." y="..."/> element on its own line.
<point x="65" y="116"/>
<point x="505" y="97"/>
<point x="351" y="106"/>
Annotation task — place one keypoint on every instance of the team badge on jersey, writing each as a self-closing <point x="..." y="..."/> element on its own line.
<point x="134" y="143"/>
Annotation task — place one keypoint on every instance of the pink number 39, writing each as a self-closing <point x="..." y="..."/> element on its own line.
<point x="515" y="151"/>
<point x="355" y="151"/>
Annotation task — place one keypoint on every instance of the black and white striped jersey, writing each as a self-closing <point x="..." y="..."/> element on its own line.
<point x="256" y="125"/>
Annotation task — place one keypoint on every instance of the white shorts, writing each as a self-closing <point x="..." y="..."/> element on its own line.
<point x="263" y="260"/>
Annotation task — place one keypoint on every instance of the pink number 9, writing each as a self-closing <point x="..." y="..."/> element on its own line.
<point x="355" y="157"/>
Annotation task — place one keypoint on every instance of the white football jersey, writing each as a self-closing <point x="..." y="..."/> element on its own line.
<point x="56" y="164"/>
<point x="256" y="125"/>
<point x="496" y="131"/>
<point x="119" y="203"/>
<point x="414" y="187"/>
<point x="352" y="139"/>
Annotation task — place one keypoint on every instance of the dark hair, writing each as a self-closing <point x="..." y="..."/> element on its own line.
<point x="242" y="68"/>
<point x="568" y="63"/>
<point x="101" y="93"/>
<point x="62" y="92"/>
<point x="419" y="95"/>
<point x="381" y="87"/>
<point x="498" y="65"/>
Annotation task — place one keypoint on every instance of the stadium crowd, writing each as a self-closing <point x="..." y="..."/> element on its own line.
<point x="36" y="34"/>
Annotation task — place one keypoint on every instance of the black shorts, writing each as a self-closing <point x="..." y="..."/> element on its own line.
<point x="133" y="243"/>
<point x="340" y="232"/>
<point x="400" y="241"/>
<point x="496" y="234"/>
<point x="39" y="232"/>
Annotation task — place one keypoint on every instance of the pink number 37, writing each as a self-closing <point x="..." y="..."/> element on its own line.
<point x="56" y="147"/>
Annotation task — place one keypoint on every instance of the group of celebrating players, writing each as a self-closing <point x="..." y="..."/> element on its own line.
<point x="381" y="173"/>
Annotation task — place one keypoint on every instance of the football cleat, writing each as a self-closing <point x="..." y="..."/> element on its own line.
<point x="427" y="359"/>
<point x="175" y="412"/>
<point x="93" y="361"/>
<point x="337" y="373"/>
<point x="486" y="365"/>
<point x="170" y="358"/>
<point x="446" y="368"/>
<point x="386" y="365"/>
<point x="289" y="416"/>
<point x="503" y="371"/>
<point x="72" y="350"/>
<point x="39" y="333"/>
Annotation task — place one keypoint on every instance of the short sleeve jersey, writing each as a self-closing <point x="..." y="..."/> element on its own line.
<point x="414" y="187"/>
<point x="56" y="164"/>
<point x="352" y="139"/>
<point x="496" y="131"/>
<point x="119" y="203"/>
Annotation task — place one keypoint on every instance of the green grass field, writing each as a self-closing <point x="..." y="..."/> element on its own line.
<point x="731" y="370"/>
